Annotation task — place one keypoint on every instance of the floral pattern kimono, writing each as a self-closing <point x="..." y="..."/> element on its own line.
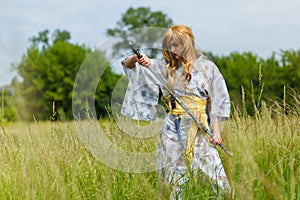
<point x="206" y="84"/>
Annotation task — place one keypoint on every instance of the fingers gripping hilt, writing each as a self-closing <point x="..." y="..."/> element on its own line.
<point x="135" y="51"/>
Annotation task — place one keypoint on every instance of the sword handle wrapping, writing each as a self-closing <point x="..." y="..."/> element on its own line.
<point x="135" y="51"/>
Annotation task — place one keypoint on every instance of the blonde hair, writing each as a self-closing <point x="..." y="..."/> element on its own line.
<point x="181" y="34"/>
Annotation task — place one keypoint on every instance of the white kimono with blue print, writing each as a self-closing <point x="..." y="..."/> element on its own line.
<point x="140" y="103"/>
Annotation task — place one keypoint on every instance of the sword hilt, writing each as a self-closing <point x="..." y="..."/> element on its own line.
<point x="135" y="51"/>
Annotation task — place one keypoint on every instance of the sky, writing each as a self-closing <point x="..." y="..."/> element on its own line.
<point x="259" y="26"/>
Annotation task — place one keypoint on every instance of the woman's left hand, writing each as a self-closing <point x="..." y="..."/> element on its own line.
<point x="217" y="139"/>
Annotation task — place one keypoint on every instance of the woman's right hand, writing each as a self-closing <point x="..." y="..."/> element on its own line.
<point x="144" y="60"/>
<point x="131" y="60"/>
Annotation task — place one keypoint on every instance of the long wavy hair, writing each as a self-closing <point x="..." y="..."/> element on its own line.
<point x="181" y="34"/>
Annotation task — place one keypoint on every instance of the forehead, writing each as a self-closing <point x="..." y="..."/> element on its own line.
<point x="171" y="37"/>
<point x="172" y="42"/>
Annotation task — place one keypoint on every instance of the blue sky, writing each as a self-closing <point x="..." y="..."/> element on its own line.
<point x="259" y="26"/>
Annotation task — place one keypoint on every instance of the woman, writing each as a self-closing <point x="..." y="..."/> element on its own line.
<point x="198" y="83"/>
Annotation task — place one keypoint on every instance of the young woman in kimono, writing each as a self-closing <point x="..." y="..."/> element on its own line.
<point x="198" y="83"/>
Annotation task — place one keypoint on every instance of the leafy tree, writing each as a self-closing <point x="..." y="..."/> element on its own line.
<point x="291" y="68"/>
<point x="272" y="77"/>
<point x="94" y="85"/>
<point x="42" y="39"/>
<point x="140" y="17"/>
<point x="143" y="27"/>
<point x="8" y="110"/>
<point x="59" y="35"/>
<point x="289" y="75"/>
<point x="261" y="79"/>
<point x="238" y="69"/>
<point x="48" y="76"/>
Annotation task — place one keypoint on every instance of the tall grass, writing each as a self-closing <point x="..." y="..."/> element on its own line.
<point x="266" y="155"/>
<point x="46" y="160"/>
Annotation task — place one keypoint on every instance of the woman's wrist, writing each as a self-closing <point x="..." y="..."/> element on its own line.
<point x="129" y="62"/>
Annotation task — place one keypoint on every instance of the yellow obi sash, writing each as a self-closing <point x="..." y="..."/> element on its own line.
<point x="198" y="107"/>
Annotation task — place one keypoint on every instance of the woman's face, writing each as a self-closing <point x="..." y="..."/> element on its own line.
<point x="175" y="48"/>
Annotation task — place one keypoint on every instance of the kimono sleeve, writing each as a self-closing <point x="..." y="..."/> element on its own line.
<point x="220" y="100"/>
<point x="141" y="97"/>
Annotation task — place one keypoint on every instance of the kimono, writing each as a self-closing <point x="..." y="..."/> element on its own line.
<point x="207" y="86"/>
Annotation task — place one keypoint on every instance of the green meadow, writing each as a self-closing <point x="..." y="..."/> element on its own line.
<point x="47" y="160"/>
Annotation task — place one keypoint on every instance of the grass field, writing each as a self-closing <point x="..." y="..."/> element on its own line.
<point x="47" y="160"/>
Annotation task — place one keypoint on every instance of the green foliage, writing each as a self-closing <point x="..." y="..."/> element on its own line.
<point x="48" y="76"/>
<point x="237" y="69"/>
<point x="61" y="36"/>
<point x="140" y="17"/>
<point x="42" y="38"/>
<point x="251" y="79"/>
<point x="143" y="27"/>
<point x="94" y="86"/>
<point x="8" y="111"/>
<point x="290" y="73"/>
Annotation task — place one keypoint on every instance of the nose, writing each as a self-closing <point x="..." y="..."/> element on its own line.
<point x="174" y="46"/>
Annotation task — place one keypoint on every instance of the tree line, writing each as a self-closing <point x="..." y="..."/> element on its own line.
<point x="47" y="73"/>
<point x="252" y="79"/>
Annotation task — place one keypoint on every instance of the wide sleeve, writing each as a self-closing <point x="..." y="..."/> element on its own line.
<point x="219" y="96"/>
<point x="141" y="97"/>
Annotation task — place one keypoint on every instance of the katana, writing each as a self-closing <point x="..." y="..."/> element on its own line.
<point x="188" y="111"/>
